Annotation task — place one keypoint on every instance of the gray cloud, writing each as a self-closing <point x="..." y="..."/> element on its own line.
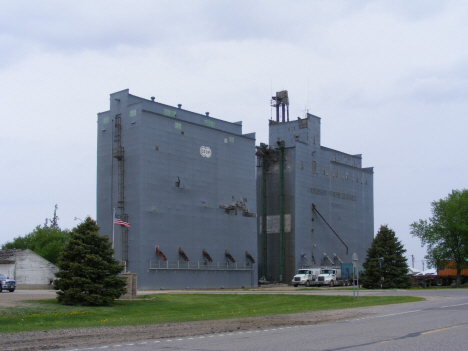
<point x="389" y="80"/>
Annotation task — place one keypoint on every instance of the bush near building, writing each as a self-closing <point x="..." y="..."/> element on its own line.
<point x="46" y="241"/>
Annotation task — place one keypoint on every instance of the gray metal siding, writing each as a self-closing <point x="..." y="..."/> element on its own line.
<point x="341" y="190"/>
<point x="158" y="153"/>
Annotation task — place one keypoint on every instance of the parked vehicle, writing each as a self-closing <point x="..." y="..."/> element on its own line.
<point x="337" y="275"/>
<point x="329" y="276"/>
<point x="7" y="284"/>
<point x="306" y="276"/>
<point x="446" y="275"/>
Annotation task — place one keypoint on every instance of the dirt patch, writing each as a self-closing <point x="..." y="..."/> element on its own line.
<point x="95" y="336"/>
<point x="8" y="299"/>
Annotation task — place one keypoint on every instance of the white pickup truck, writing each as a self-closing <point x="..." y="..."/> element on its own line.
<point x="7" y="284"/>
<point x="306" y="276"/>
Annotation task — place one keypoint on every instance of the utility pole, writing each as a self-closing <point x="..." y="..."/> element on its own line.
<point x="423" y="264"/>
<point x="380" y="270"/>
<point x="412" y="258"/>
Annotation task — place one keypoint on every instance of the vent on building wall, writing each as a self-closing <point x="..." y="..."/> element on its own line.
<point x="249" y="257"/>
<point x="228" y="255"/>
<point x="160" y="254"/>
<point x="182" y="253"/>
<point x="207" y="256"/>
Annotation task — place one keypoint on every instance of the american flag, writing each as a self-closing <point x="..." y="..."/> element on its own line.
<point x="120" y="222"/>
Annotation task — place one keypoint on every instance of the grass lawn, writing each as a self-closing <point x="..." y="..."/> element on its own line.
<point x="170" y="308"/>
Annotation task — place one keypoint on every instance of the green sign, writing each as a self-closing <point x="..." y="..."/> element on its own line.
<point x="169" y="113"/>
<point x="209" y="123"/>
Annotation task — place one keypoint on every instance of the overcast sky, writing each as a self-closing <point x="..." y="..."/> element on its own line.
<point x="388" y="78"/>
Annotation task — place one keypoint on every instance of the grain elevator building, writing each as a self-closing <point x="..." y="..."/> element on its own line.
<point x="185" y="182"/>
<point x="315" y="204"/>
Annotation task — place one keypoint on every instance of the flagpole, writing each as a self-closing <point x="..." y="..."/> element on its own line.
<point x="113" y="228"/>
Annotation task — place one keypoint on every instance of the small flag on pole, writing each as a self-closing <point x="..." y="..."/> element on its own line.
<point x="118" y="221"/>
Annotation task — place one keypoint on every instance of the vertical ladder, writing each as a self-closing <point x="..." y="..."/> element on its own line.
<point x="119" y="153"/>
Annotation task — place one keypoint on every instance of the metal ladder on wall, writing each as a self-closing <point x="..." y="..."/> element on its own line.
<point x="118" y="152"/>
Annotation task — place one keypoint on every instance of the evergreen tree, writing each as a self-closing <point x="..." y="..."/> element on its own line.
<point x="385" y="259"/>
<point x="88" y="272"/>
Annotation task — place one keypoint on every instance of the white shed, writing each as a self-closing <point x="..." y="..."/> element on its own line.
<point x="30" y="270"/>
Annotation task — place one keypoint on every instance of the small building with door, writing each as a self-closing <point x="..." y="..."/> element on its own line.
<point x="30" y="270"/>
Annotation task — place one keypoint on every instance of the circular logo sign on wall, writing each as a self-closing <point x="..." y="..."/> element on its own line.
<point x="205" y="151"/>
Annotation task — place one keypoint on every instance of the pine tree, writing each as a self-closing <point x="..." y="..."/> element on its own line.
<point x="385" y="258"/>
<point x="88" y="272"/>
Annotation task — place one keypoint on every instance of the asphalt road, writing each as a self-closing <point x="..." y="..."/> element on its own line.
<point x="441" y="323"/>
